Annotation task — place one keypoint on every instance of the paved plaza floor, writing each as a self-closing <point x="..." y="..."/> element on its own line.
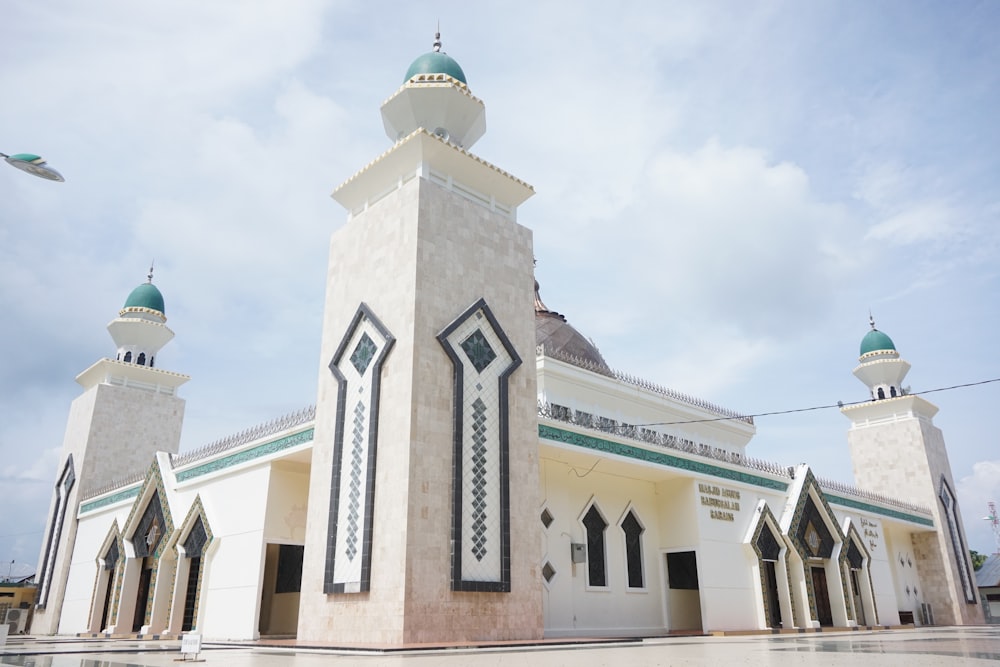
<point x="912" y="648"/>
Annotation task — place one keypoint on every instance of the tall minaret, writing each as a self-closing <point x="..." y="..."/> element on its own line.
<point x="897" y="449"/>
<point x="127" y="412"/>
<point x="422" y="520"/>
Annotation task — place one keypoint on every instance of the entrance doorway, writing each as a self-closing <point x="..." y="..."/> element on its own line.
<point x="771" y="591"/>
<point x="191" y="594"/>
<point x="822" y="595"/>
<point x="142" y="594"/>
<point x="859" y="607"/>
<point x="106" y="607"/>
<point x="683" y="595"/>
<point x="279" y="605"/>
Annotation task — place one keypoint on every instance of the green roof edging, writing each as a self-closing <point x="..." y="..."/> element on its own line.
<point x="875" y="509"/>
<point x="127" y="494"/>
<point x="247" y="455"/>
<point x="640" y="454"/>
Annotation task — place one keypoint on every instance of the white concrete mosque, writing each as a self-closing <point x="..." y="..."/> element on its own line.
<point x="473" y="469"/>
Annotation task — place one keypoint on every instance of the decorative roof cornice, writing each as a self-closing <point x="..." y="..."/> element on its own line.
<point x="644" y="384"/>
<point x="421" y="132"/>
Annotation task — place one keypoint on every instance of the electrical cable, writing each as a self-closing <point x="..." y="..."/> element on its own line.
<point x="838" y="404"/>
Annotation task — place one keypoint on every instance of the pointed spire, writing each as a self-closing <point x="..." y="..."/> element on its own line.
<point x="149" y="276"/>
<point x="871" y="319"/>
<point x="437" y="38"/>
<point x="541" y="308"/>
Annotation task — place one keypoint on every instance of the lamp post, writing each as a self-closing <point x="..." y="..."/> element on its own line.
<point x="34" y="165"/>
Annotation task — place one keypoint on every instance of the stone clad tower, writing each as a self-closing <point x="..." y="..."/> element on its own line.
<point x="895" y="445"/>
<point x="129" y="410"/>
<point x="422" y="518"/>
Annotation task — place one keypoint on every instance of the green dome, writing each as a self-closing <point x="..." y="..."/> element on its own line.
<point x="876" y="341"/>
<point x="436" y="62"/>
<point x="145" y="295"/>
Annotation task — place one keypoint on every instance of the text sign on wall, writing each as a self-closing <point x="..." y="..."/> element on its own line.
<point x="722" y="502"/>
<point x="870" y="529"/>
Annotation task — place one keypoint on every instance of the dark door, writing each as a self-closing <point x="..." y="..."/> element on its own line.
<point x="859" y="608"/>
<point x="142" y="596"/>
<point x="822" y="596"/>
<point x="773" y="605"/>
<point x="107" y="600"/>
<point x="191" y="597"/>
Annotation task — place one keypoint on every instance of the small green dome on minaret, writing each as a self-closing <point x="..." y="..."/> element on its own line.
<point x="436" y="62"/>
<point x="146" y="296"/>
<point x="876" y="341"/>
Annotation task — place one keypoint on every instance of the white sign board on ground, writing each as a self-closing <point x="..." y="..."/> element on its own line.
<point x="190" y="644"/>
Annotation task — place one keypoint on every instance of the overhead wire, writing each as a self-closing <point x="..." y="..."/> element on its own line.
<point x="838" y="404"/>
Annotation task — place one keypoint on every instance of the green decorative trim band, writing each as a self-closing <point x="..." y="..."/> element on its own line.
<point x="640" y="454"/>
<point x="875" y="509"/>
<point x="127" y="494"/>
<point x="246" y="455"/>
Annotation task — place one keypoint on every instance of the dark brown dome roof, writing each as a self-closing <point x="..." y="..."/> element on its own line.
<point x="560" y="340"/>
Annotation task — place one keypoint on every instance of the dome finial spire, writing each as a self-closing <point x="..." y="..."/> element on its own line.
<point x="437" y="38"/>
<point x="871" y="319"/>
<point x="149" y="276"/>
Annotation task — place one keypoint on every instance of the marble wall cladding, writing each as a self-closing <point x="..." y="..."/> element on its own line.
<point x="419" y="258"/>
<point x="909" y="456"/>
<point x="112" y="431"/>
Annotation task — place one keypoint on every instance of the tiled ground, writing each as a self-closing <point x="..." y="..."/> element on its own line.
<point x="912" y="648"/>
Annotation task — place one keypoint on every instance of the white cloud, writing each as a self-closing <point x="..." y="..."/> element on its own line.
<point x="926" y="221"/>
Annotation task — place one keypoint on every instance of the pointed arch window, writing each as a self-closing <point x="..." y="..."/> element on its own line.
<point x="633" y="549"/>
<point x="141" y="359"/>
<point x="597" y="573"/>
<point x="128" y="358"/>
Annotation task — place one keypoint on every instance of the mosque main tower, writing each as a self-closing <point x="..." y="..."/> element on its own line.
<point x="423" y="494"/>
<point x="895" y="445"/>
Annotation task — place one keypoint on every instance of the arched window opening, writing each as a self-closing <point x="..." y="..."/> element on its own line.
<point x="881" y="393"/>
<point x="128" y="358"/>
<point x="595" y="524"/>
<point x="633" y="549"/>
<point x="892" y="392"/>
<point x="141" y="359"/>
<point x="151" y="361"/>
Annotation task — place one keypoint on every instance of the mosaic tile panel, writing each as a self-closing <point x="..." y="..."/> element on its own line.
<point x="482" y="361"/>
<point x="874" y="509"/>
<point x="356" y="366"/>
<point x="957" y="542"/>
<point x="854" y="555"/>
<point x="63" y="488"/>
<point x="247" y="455"/>
<point x="638" y="453"/>
<point x="766" y="544"/>
<point x="151" y="492"/>
<point x="196" y="536"/>
<point x="120" y="496"/>
<point x="109" y="566"/>
<point x="805" y="509"/>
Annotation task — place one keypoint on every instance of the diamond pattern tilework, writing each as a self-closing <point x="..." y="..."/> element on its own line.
<point x="354" y="495"/>
<point x="363" y="354"/>
<point x="479" y="479"/>
<point x="478" y="349"/>
<point x="480" y="563"/>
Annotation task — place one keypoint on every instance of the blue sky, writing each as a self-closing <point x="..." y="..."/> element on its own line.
<point x="724" y="190"/>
